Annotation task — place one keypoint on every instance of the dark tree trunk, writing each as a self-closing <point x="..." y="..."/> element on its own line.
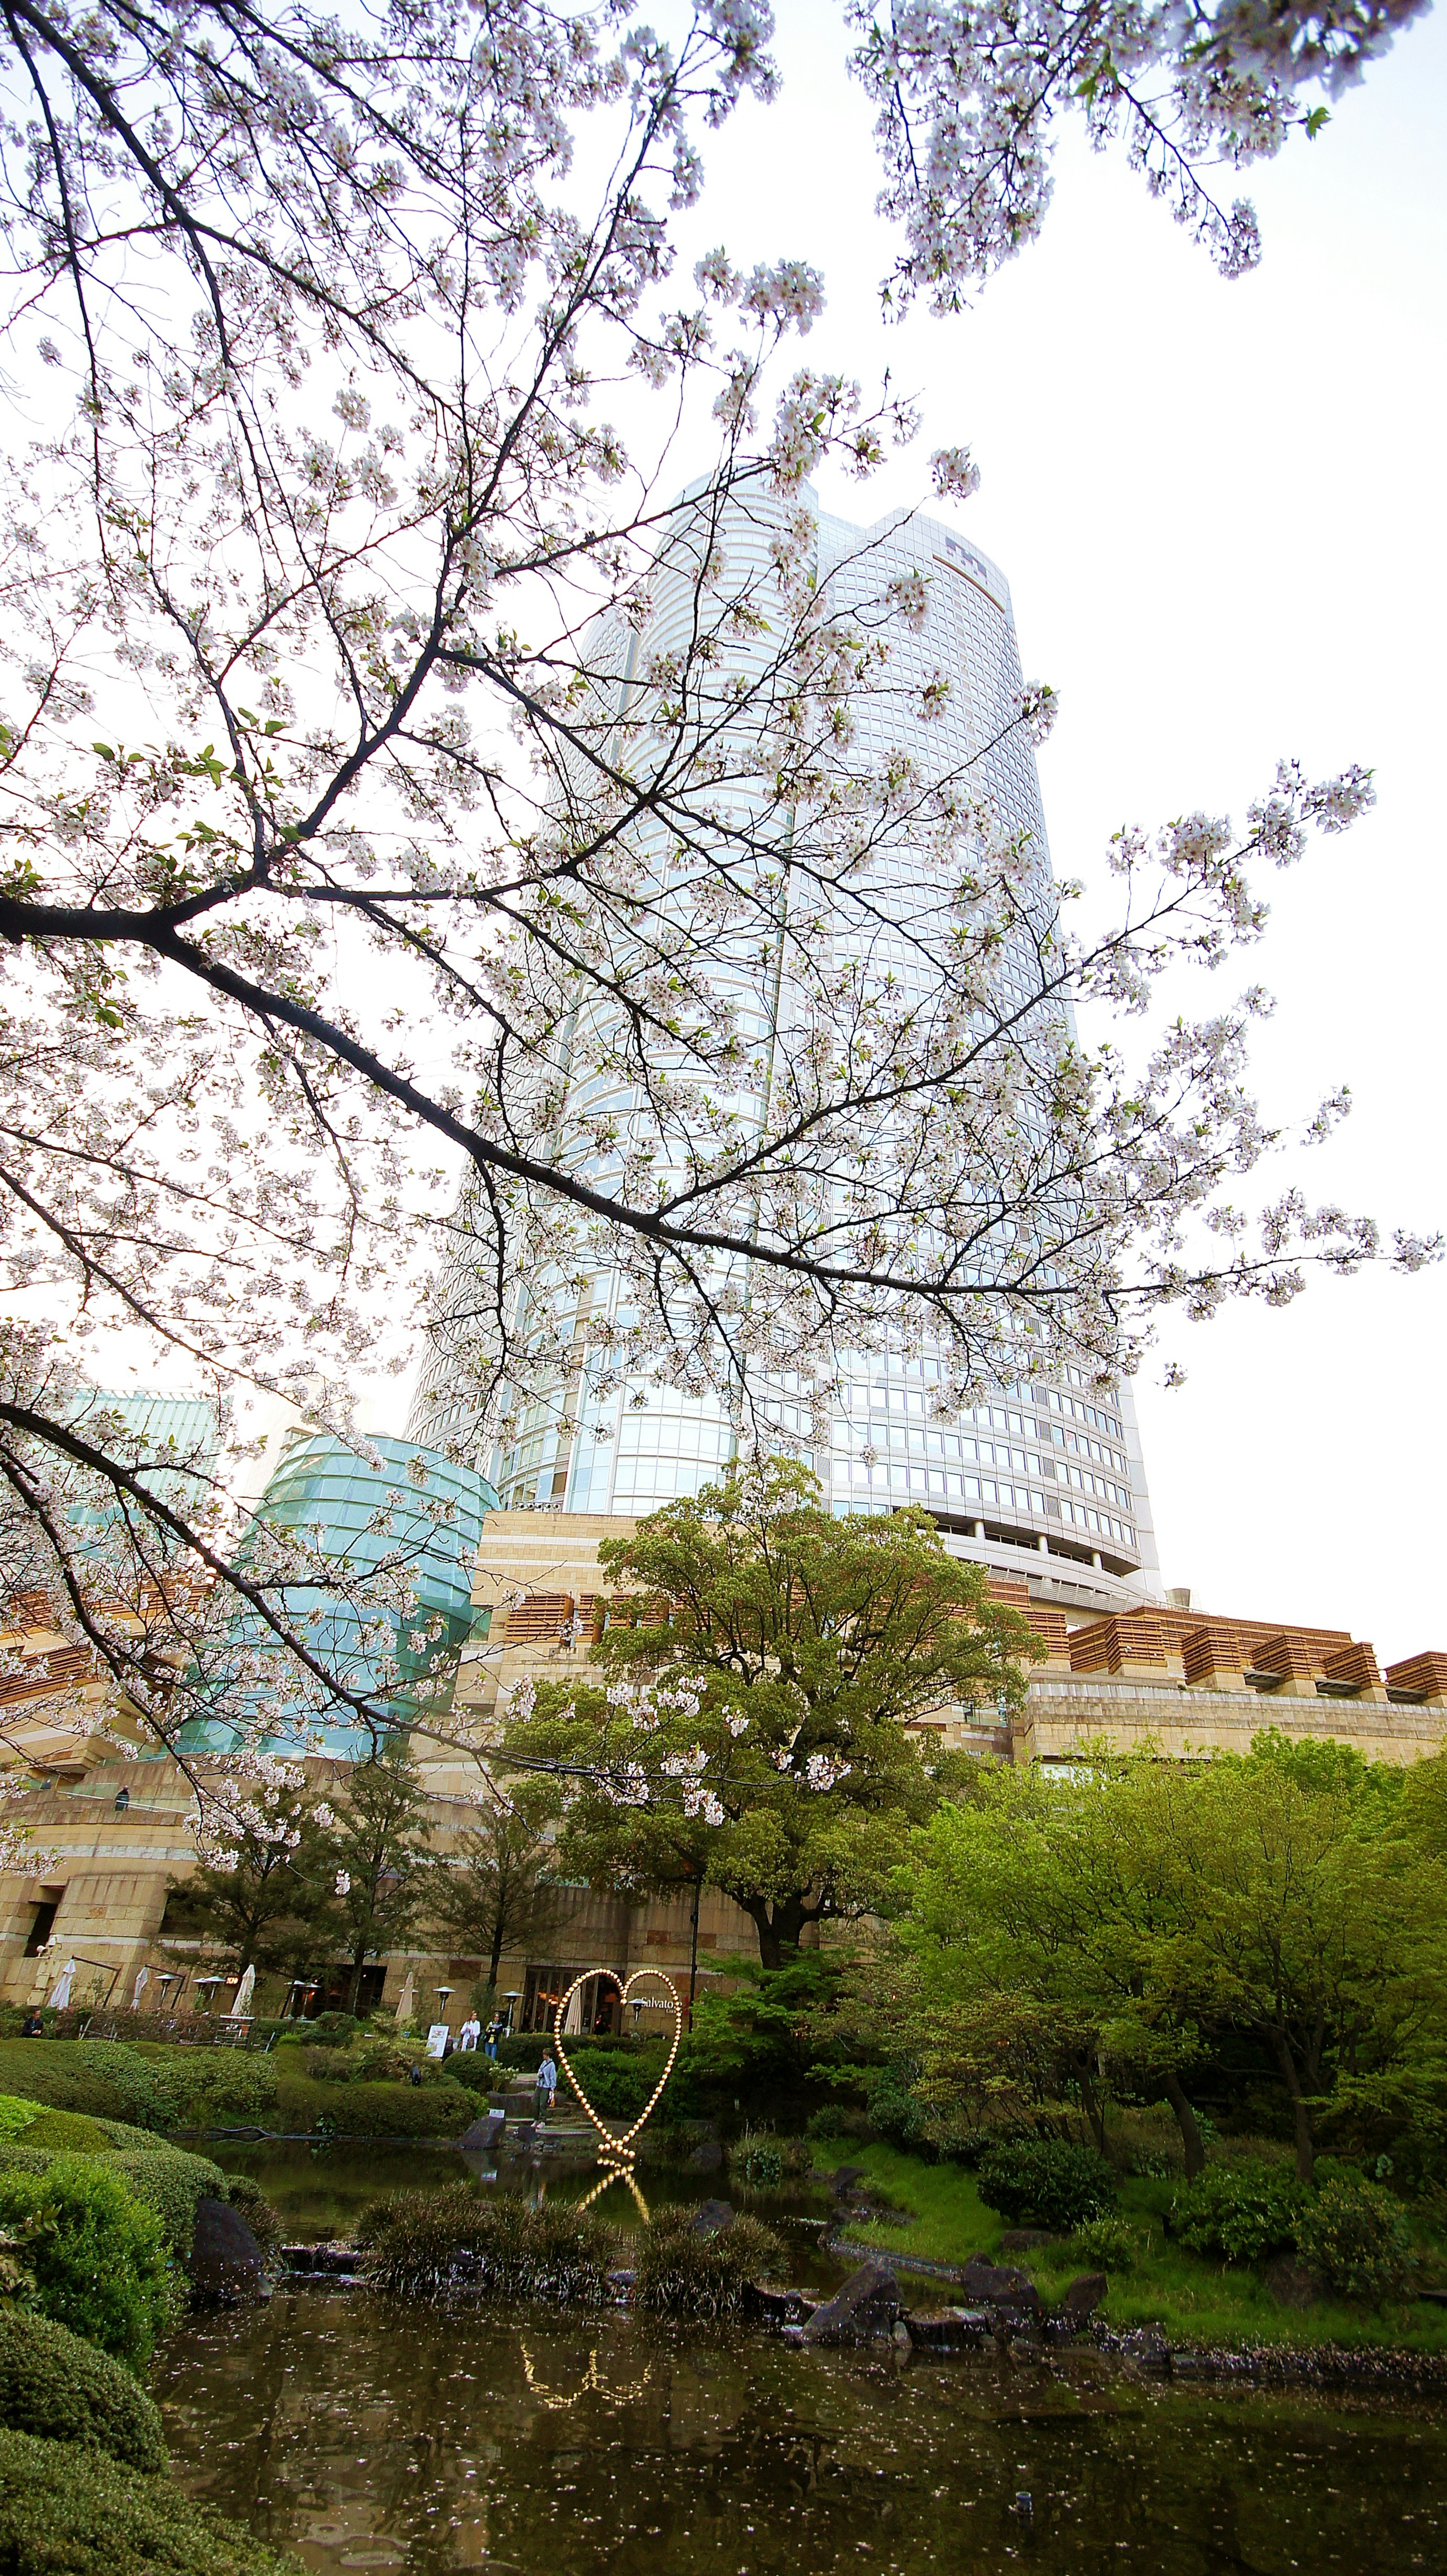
<point x="1305" y="2139"/>
<point x="495" y="1961"/>
<point x="1091" y="2106"/>
<point x="778" y="1926"/>
<point x="1186" y="2122"/>
<point x="693" y="1948"/>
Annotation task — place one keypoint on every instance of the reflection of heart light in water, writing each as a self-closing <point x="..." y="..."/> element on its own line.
<point x="558" y="2404"/>
<point x="616" y="2152"/>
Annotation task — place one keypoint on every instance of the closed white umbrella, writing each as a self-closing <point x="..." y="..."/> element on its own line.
<point x="244" y="1993"/>
<point x="573" y="2018"/>
<point x="405" y="1999"/>
<point x="143" y="1979"/>
<point x="60" y="1992"/>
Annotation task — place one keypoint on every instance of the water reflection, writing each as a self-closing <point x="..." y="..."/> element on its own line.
<point x="373" y="2435"/>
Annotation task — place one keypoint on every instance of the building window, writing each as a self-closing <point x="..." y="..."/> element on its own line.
<point x="42" y="1925"/>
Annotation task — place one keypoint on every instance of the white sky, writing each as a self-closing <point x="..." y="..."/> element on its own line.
<point x="1219" y="507"/>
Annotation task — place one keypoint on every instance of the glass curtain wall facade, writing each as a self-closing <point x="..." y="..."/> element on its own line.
<point x="1037" y="1466"/>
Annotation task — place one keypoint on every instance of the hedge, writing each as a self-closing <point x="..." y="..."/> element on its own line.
<point x="65" y="2511"/>
<point x="59" y="2387"/>
<point x="169" y="2181"/>
<point x="373" y="2110"/>
<point x="97" y="2256"/>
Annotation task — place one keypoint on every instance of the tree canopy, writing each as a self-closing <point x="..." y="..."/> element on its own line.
<point x="1136" y="1916"/>
<point x="758" y="1675"/>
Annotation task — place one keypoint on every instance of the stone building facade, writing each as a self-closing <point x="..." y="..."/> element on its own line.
<point x="113" y="1821"/>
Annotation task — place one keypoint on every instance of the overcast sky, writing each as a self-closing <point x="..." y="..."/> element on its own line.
<point x="1220" y="510"/>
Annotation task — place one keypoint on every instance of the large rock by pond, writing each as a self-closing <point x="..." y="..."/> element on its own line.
<point x="484" y="2133"/>
<point x="712" y="2218"/>
<point x="866" y="2306"/>
<point x="226" y="2264"/>
<point x="999" y="2285"/>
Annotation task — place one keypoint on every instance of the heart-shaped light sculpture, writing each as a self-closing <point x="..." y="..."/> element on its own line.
<point x="618" y="2150"/>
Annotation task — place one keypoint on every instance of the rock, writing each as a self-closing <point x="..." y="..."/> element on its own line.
<point x="226" y="2262"/>
<point x="1023" y="2240"/>
<point x="999" y="2285"/>
<point x="777" y="2307"/>
<point x="866" y="2306"/>
<point x="621" y="2282"/>
<point x="707" y="2158"/>
<point x="947" y="2329"/>
<point x="1290" y="2281"/>
<point x="1146" y="2349"/>
<point x="713" y="2218"/>
<point x="486" y="2131"/>
<point x="842" y="2182"/>
<point x="1084" y="2295"/>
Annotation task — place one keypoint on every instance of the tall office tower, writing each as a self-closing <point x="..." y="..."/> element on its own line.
<point x="1041" y="1479"/>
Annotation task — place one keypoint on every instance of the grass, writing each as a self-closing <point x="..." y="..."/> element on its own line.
<point x="1193" y="2298"/>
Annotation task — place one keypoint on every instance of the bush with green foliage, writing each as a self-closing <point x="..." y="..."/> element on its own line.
<point x="16" y="2114"/>
<point x="374" y="2110"/>
<point x="1045" y="2182"/>
<point x="428" y="2242"/>
<point x="894" y="2113"/>
<point x="835" y="2122"/>
<point x="98" y="2257"/>
<point x="69" y="2133"/>
<point x="1243" y="2211"/>
<point x="678" y="2273"/>
<point x="250" y="2202"/>
<point x="54" y="2384"/>
<point x="66" y="2511"/>
<point x="208" y="2088"/>
<point x="1355" y="2238"/>
<point x="103" y="2078"/>
<point x="618" y="2081"/>
<point x="1106" y="2244"/>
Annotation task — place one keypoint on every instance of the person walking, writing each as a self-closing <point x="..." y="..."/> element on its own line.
<point x="547" y="2084"/>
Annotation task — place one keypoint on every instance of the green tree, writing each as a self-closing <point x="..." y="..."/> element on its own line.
<point x="494" y="1891"/>
<point x="1136" y="1910"/>
<point x="760" y="1667"/>
<point x="261" y="1900"/>
<point x="376" y="1845"/>
<point x="1306" y="1914"/>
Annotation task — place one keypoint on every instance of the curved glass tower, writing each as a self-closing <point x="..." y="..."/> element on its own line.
<point x="1038" y="1470"/>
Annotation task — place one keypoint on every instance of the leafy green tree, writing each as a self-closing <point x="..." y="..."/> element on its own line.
<point x="376" y="1845"/>
<point x="494" y="1892"/>
<point x="1139" y="1909"/>
<point x="1036" y="1912"/>
<point x="759" y="1669"/>
<point x="262" y="1898"/>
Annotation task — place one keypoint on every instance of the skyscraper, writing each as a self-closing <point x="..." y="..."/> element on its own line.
<point x="1040" y="1478"/>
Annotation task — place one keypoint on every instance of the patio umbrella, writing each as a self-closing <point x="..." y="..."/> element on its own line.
<point x="404" y="2000"/>
<point x="143" y="1979"/>
<point x="244" y="1993"/>
<point x="60" y="1992"/>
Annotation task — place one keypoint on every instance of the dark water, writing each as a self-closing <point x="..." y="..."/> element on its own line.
<point x="372" y="2435"/>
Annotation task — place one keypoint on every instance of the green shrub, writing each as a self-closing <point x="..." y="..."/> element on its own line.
<point x="1045" y="2181"/>
<point x="617" y="2081"/>
<point x="170" y="2182"/>
<point x="1356" y="2239"/>
<point x="16" y="2157"/>
<point x="1106" y="2244"/>
<point x="101" y="2077"/>
<point x="69" y="2132"/>
<point x="426" y="2242"/>
<point x="757" y="2161"/>
<point x="894" y="2114"/>
<point x="16" y="2114"/>
<point x="208" y="2088"/>
<point x="97" y="2256"/>
<point x="835" y="2122"/>
<point x="1243" y="2211"/>
<point x="680" y="2274"/>
<point x="55" y="2385"/>
<point x="109" y="2066"/>
<point x="250" y="2202"/>
<point x="375" y="2110"/>
<point x="65" y="2511"/>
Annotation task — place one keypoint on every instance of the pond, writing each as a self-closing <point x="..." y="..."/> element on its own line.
<point x="368" y="2434"/>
